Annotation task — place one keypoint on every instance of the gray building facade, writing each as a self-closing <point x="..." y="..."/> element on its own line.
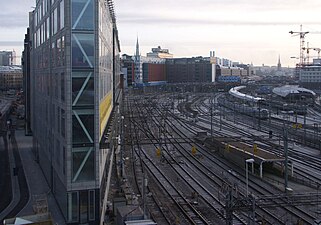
<point x="74" y="80"/>
<point x="7" y="58"/>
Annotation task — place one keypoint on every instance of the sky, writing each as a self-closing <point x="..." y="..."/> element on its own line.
<point x="14" y="20"/>
<point x="247" y="31"/>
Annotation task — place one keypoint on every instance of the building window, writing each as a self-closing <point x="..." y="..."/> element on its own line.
<point x="83" y="50"/>
<point x="82" y="15"/>
<point x="62" y="14"/>
<point x="83" y="126"/>
<point x="58" y="152"/>
<point x="48" y="28"/>
<point x="73" y="207"/>
<point x="53" y="53"/>
<point x="63" y="122"/>
<point x="91" y="205"/>
<point x="59" y="118"/>
<point x="58" y="52"/>
<point x="55" y="83"/>
<point x="82" y="88"/>
<point x="63" y="50"/>
<point x="55" y="19"/>
<point x="52" y="23"/>
<point x="83" y="168"/>
<point x="62" y="86"/>
<point x="64" y="160"/>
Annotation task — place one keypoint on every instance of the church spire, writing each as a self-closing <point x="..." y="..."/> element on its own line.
<point x="137" y="48"/>
<point x="138" y="65"/>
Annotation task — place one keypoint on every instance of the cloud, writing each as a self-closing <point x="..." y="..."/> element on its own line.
<point x="159" y="20"/>
<point x="13" y="21"/>
<point x="10" y="43"/>
<point x="218" y="12"/>
<point x="15" y="13"/>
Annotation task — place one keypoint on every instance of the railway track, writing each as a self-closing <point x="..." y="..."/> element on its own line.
<point x="152" y="139"/>
<point x="304" y="160"/>
<point x="302" y="212"/>
<point x="194" y="183"/>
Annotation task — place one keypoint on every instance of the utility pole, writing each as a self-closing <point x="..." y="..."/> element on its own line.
<point x="305" y="129"/>
<point x="228" y="207"/>
<point x="211" y="105"/>
<point x="234" y="112"/>
<point x="220" y="118"/>
<point x="144" y="189"/>
<point x="259" y="116"/>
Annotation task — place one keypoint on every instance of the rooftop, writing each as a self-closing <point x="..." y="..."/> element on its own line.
<point x="291" y="89"/>
<point x="10" y="68"/>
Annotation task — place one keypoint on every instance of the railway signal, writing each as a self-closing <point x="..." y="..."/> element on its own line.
<point x="227" y="148"/>
<point x="158" y="152"/>
<point x="255" y="149"/>
<point x="194" y="150"/>
<point x="297" y="126"/>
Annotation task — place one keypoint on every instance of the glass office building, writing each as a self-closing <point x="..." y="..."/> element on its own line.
<point x="74" y="80"/>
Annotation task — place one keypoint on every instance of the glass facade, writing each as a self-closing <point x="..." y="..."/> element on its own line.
<point x="83" y="88"/>
<point x="72" y="59"/>
<point x="83" y="15"/>
<point x="83" y="50"/>
<point x="83" y="61"/>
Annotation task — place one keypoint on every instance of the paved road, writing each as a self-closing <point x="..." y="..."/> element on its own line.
<point x="24" y="190"/>
<point x="20" y="197"/>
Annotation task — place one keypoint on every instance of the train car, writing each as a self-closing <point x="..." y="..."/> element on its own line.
<point x="235" y="93"/>
<point x="245" y="109"/>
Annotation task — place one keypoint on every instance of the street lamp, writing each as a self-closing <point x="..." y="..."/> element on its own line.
<point x="247" y="174"/>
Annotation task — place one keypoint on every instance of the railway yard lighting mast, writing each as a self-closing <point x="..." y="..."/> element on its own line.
<point x="285" y="140"/>
<point x="211" y="99"/>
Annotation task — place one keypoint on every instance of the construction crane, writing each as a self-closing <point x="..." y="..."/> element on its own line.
<point x="318" y="51"/>
<point x="302" y="40"/>
<point x="13" y="57"/>
<point x="308" y="51"/>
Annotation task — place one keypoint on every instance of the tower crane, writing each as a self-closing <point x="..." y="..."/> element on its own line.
<point x="308" y="51"/>
<point x="318" y="51"/>
<point x="302" y="40"/>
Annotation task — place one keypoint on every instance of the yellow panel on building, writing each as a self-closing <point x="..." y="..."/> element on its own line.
<point x="105" y="109"/>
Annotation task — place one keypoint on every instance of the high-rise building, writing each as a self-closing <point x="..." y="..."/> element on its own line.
<point x="7" y="58"/>
<point x="74" y="81"/>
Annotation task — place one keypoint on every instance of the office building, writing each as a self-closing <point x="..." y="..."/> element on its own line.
<point x="160" y="53"/>
<point x="10" y="77"/>
<point x="74" y="87"/>
<point x="7" y="58"/>
<point x="181" y="70"/>
<point x="154" y="73"/>
<point x="128" y="68"/>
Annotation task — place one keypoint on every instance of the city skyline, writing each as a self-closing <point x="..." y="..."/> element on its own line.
<point x="245" y="31"/>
